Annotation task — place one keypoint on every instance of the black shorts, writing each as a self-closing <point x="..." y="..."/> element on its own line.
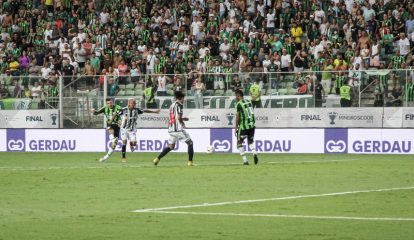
<point x="243" y="134"/>
<point x="115" y="127"/>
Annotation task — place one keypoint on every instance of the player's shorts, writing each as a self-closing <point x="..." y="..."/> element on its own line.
<point x="127" y="134"/>
<point x="179" y="136"/>
<point x="116" y="129"/>
<point x="243" y="134"/>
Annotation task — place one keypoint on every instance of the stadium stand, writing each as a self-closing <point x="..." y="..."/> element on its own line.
<point x="124" y="42"/>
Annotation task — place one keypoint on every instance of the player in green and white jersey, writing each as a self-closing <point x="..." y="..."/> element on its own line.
<point x="109" y="110"/>
<point x="245" y="126"/>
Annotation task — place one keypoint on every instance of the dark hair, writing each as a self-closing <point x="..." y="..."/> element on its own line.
<point x="108" y="99"/>
<point x="178" y="95"/>
<point x="239" y="93"/>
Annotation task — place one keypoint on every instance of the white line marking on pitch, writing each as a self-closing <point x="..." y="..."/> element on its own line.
<point x="272" y="199"/>
<point x="288" y="216"/>
<point x="103" y="166"/>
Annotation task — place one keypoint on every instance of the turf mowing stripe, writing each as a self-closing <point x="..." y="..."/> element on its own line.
<point x="315" y="161"/>
<point x="103" y="165"/>
<point x="273" y="199"/>
<point x="288" y="216"/>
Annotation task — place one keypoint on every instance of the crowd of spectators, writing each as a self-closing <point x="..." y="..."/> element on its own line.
<point x="182" y="42"/>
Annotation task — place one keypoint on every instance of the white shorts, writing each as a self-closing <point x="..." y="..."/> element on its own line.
<point x="127" y="134"/>
<point x="180" y="136"/>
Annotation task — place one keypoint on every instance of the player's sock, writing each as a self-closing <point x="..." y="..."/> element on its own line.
<point x="190" y="152"/>
<point x="253" y="149"/>
<point x="164" y="152"/>
<point x="110" y="151"/>
<point x="123" y="150"/>
<point x="132" y="146"/>
<point x="111" y="137"/>
<point x="242" y="154"/>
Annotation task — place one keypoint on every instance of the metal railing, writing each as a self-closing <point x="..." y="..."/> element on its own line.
<point x="76" y="95"/>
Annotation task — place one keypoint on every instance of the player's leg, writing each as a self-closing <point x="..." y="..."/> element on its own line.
<point x="240" y="138"/>
<point x="113" y="138"/>
<point x="113" y="135"/>
<point x="250" y="141"/>
<point x="132" y="140"/>
<point x="165" y="151"/>
<point x="124" y="138"/>
<point x="187" y="139"/>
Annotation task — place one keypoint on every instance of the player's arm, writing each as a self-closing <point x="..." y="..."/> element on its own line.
<point x="237" y="117"/>
<point x="94" y="112"/>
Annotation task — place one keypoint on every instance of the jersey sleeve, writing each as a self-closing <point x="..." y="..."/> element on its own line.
<point x="101" y="110"/>
<point x="119" y="112"/>
<point x="238" y="108"/>
<point x="140" y="111"/>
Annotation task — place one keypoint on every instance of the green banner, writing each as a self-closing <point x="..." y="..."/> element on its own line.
<point x="18" y="104"/>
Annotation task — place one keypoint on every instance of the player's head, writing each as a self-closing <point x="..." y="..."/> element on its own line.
<point x="131" y="103"/>
<point x="179" y="96"/>
<point x="109" y="102"/>
<point x="239" y="95"/>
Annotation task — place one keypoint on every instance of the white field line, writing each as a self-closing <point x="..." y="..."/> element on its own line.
<point x="288" y="216"/>
<point x="272" y="199"/>
<point x="103" y="166"/>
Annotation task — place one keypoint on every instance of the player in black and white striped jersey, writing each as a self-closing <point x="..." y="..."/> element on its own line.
<point x="176" y="129"/>
<point x="129" y="118"/>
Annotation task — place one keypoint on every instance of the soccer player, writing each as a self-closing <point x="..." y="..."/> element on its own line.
<point x="176" y="129"/>
<point x="129" y="118"/>
<point x="245" y="126"/>
<point x="109" y="111"/>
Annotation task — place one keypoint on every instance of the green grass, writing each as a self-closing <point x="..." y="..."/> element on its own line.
<point x="71" y="196"/>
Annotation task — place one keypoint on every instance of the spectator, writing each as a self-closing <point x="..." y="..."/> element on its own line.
<point x="236" y="84"/>
<point x="14" y="67"/>
<point x="345" y="93"/>
<point x="4" y="93"/>
<point x="149" y="95"/>
<point x="255" y="94"/>
<point x="123" y="72"/>
<point x="378" y="94"/>
<point x="36" y="90"/>
<point x="319" y="94"/>
<point x="199" y="89"/>
<point x="395" y="98"/>
<point x="17" y="91"/>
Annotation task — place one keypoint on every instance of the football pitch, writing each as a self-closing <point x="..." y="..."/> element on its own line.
<point x="287" y="196"/>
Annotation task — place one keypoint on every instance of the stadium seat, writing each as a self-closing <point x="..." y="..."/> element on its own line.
<point x="283" y="91"/>
<point x="121" y="93"/>
<point x="139" y="86"/>
<point x="208" y="93"/>
<point x="170" y="92"/>
<point x="129" y="92"/>
<point x="121" y="86"/>
<point x="93" y="93"/>
<point x="289" y="85"/>
<point x="219" y="92"/>
<point x="291" y="91"/>
<point x="138" y="92"/>
<point x="229" y="93"/>
<point x="10" y="89"/>
<point x="170" y="86"/>
<point x="129" y="86"/>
